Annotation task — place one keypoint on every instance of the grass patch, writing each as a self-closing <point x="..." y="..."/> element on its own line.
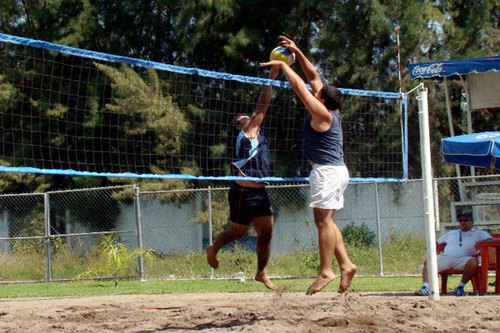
<point x="131" y="287"/>
<point x="96" y="288"/>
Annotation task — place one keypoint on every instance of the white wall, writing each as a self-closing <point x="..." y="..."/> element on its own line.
<point x="164" y="227"/>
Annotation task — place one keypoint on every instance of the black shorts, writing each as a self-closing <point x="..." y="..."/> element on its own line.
<point x="245" y="203"/>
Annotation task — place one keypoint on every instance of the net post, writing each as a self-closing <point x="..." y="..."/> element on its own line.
<point x="425" y="150"/>
<point x="403" y="113"/>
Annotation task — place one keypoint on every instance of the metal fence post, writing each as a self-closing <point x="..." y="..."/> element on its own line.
<point x="210" y="229"/>
<point x="137" y="208"/>
<point x="48" y="247"/>
<point x="379" y="232"/>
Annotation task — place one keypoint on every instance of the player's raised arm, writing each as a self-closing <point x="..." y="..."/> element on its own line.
<point x="321" y="118"/>
<point x="309" y="70"/>
<point x="252" y="127"/>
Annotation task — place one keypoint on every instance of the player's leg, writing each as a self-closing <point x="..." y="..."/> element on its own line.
<point x="327" y="238"/>
<point x="239" y="217"/>
<point x="234" y="232"/>
<point x="327" y="186"/>
<point x="347" y="268"/>
<point x="264" y="228"/>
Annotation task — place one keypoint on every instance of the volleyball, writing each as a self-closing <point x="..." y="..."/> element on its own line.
<point x="283" y="54"/>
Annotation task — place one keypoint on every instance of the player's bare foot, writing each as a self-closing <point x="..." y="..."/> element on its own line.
<point x="266" y="281"/>
<point x="212" y="257"/>
<point x="346" y="278"/>
<point x="321" y="281"/>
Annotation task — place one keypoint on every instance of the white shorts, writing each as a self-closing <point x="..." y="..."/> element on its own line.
<point x="450" y="262"/>
<point x="327" y="184"/>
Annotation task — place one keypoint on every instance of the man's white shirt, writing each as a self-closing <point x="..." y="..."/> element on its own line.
<point x="462" y="244"/>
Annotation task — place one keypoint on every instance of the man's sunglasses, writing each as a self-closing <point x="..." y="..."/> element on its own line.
<point x="463" y="220"/>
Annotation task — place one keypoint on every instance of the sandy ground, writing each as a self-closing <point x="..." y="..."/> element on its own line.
<point x="253" y="312"/>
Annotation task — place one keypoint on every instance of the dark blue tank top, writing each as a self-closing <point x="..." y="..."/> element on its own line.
<point x="252" y="156"/>
<point x="324" y="147"/>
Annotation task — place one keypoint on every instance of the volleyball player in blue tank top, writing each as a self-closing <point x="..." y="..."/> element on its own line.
<point x="248" y="200"/>
<point x="329" y="176"/>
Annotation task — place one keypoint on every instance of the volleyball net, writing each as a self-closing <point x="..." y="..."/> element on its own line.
<point x="70" y="111"/>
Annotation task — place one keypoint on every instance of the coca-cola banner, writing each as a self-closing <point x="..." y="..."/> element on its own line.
<point x="454" y="67"/>
<point x="482" y="76"/>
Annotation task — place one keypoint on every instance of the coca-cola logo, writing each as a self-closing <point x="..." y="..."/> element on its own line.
<point x="431" y="69"/>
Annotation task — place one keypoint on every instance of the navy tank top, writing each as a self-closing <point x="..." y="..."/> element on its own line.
<point x="324" y="147"/>
<point x="252" y="156"/>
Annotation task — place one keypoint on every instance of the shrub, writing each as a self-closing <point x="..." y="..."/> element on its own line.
<point x="358" y="235"/>
<point x="114" y="259"/>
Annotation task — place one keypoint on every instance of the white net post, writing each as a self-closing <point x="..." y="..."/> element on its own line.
<point x="425" y="149"/>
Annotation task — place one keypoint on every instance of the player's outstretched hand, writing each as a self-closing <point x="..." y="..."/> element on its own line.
<point x="290" y="44"/>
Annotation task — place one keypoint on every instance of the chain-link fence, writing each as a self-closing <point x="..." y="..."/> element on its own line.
<point x="163" y="234"/>
<point x="56" y="235"/>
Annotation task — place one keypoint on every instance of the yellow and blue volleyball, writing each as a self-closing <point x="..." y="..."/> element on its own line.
<point x="283" y="54"/>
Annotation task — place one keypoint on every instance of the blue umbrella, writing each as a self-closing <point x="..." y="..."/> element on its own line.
<point x="476" y="149"/>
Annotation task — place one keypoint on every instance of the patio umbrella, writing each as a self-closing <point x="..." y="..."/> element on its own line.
<point x="476" y="149"/>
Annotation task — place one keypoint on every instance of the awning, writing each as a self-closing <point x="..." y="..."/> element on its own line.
<point x="452" y="68"/>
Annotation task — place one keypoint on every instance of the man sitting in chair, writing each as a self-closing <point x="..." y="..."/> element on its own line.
<point x="459" y="253"/>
